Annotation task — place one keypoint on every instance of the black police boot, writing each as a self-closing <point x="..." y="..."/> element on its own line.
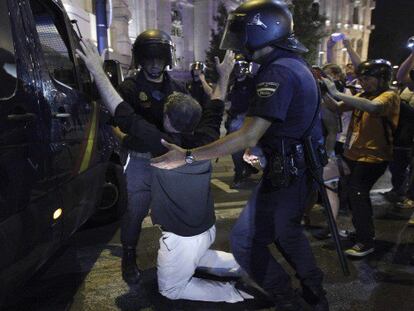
<point x="316" y="297"/>
<point x="130" y="272"/>
<point x="286" y="301"/>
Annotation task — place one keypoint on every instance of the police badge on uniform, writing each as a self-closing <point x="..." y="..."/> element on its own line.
<point x="143" y="97"/>
<point x="143" y="100"/>
<point x="266" y="89"/>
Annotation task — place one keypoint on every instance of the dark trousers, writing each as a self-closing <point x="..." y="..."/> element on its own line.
<point x="234" y="124"/>
<point x="138" y="176"/>
<point x="360" y="182"/>
<point x="274" y="217"/>
<point x="400" y="170"/>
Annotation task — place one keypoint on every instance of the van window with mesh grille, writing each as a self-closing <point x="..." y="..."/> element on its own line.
<point x="8" y="73"/>
<point x="57" y="56"/>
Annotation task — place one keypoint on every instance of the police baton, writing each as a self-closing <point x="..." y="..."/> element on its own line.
<point x="316" y="169"/>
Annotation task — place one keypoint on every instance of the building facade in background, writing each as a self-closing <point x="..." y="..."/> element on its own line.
<point x="351" y="17"/>
<point x="189" y="22"/>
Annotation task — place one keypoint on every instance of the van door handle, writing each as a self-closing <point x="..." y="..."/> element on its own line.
<point x="22" y="117"/>
<point x="60" y="115"/>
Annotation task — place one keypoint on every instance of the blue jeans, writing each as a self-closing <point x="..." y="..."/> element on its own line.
<point x="274" y="217"/>
<point x="138" y="176"/>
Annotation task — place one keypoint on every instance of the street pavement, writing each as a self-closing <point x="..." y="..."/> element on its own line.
<point x="85" y="274"/>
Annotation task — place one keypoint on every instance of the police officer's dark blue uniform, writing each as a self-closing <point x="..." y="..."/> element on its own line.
<point x="239" y="96"/>
<point x="272" y="214"/>
<point x="287" y="96"/>
<point x="147" y="98"/>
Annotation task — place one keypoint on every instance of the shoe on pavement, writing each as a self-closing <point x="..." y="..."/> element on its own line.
<point x="407" y="203"/>
<point x="316" y="297"/>
<point x="392" y="196"/>
<point x="359" y="250"/>
<point x="322" y="233"/>
<point x="347" y="234"/>
<point x="286" y="301"/>
<point x="411" y="221"/>
<point x="130" y="272"/>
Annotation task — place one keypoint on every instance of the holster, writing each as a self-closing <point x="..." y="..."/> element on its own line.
<point x="284" y="166"/>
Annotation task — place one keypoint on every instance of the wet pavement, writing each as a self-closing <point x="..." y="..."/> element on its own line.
<point x="85" y="274"/>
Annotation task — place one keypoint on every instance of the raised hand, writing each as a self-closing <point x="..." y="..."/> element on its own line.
<point x="225" y="68"/>
<point x="91" y="57"/>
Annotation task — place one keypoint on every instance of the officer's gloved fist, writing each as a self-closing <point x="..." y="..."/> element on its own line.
<point x="254" y="156"/>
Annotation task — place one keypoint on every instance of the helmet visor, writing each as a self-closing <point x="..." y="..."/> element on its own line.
<point x="161" y="51"/>
<point x="234" y="37"/>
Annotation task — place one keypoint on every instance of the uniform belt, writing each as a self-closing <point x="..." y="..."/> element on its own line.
<point x="144" y="155"/>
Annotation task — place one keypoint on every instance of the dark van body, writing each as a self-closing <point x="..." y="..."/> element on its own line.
<point x="55" y="150"/>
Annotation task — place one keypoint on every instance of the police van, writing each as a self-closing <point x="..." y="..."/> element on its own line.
<point x="58" y="163"/>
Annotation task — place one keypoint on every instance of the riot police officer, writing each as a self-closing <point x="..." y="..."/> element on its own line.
<point x="198" y="87"/>
<point x="146" y="91"/>
<point x="240" y="92"/>
<point x="283" y="112"/>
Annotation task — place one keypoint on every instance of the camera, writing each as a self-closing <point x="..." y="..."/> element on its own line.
<point x="318" y="73"/>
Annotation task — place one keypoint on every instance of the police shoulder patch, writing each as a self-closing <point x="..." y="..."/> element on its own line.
<point x="266" y="89"/>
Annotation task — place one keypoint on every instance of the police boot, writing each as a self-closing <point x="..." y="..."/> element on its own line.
<point x="316" y="297"/>
<point x="286" y="301"/>
<point x="130" y="272"/>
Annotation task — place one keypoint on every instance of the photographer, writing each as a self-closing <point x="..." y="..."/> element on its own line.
<point x="368" y="148"/>
<point x="198" y="87"/>
<point x="331" y="121"/>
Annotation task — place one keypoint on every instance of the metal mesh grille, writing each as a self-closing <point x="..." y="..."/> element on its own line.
<point x="56" y="53"/>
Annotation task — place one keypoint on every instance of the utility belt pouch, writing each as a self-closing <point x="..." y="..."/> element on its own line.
<point x="282" y="169"/>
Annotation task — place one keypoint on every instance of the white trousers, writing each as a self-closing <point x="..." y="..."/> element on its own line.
<point x="178" y="258"/>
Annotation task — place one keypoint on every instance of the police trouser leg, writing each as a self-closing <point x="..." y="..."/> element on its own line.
<point x="138" y="176"/>
<point x="362" y="179"/>
<point x="275" y="218"/>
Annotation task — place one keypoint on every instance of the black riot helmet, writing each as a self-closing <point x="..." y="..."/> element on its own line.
<point x="259" y="23"/>
<point x="198" y="66"/>
<point x="378" y="68"/>
<point x="153" y="43"/>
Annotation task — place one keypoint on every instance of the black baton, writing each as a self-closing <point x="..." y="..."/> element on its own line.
<point x="316" y="169"/>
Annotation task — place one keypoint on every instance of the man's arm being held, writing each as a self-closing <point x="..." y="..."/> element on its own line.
<point x="252" y="130"/>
